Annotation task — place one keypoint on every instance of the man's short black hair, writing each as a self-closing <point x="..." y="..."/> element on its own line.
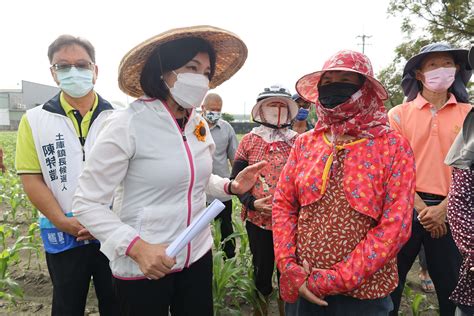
<point x="69" y="40"/>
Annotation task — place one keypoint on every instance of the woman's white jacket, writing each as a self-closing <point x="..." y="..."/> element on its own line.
<point x="158" y="178"/>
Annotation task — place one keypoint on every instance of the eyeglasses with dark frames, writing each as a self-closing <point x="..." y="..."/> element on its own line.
<point x="84" y="65"/>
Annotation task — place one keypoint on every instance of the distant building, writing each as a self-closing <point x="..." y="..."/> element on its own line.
<point x="14" y="102"/>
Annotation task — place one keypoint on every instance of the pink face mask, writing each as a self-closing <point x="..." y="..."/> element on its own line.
<point x="440" y="79"/>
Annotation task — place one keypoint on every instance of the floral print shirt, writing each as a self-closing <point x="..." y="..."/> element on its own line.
<point x="329" y="229"/>
<point x="378" y="181"/>
<point x="252" y="148"/>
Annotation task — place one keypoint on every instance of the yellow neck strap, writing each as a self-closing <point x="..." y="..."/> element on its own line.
<point x="327" y="166"/>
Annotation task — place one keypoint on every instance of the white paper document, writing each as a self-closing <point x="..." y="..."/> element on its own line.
<point x="195" y="228"/>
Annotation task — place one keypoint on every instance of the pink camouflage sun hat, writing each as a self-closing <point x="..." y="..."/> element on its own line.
<point x="344" y="60"/>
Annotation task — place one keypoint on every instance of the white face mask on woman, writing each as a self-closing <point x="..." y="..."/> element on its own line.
<point x="189" y="89"/>
<point x="275" y="115"/>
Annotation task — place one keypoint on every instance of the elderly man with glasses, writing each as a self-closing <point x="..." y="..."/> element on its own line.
<point x="54" y="141"/>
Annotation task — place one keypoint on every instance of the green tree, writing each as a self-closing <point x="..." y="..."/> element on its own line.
<point x="441" y="20"/>
<point x="424" y="22"/>
<point x="228" y="117"/>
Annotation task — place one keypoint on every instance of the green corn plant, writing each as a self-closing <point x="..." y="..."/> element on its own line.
<point x="15" y="201"/>
<point x="245" y="256"/>
<point x="233" y="282"/>
<point x="31" y="212"/>
<point x="9" y="288"/>
<point x="4" y="185"/>
<point x="416" y="301"/>
<point x="33" y="235"/>
<point x="12" y="201"/>
<point x="11" y="190"/>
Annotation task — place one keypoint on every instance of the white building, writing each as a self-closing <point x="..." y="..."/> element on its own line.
<point x="14" y="102"/>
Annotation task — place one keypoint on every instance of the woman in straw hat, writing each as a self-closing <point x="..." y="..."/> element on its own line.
<point x="344" y="201"/>
<point x="158" y="155"/>
<point x="272" y="142"/>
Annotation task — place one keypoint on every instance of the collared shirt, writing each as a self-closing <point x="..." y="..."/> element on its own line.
<point x="430" y="133"/>
<point x="253" y="149"/>
<point x="26" y="158"/>
<point x="226" y="146"/>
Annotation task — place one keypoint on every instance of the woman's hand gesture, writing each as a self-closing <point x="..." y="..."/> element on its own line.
<point x="246" y="178"/>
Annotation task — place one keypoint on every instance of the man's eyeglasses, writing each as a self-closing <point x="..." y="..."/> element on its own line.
<point x="86" y="65"/>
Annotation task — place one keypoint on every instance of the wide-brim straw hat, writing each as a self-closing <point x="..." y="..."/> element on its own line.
<point x="345" y="60"/>
<point x="230" y="51"/>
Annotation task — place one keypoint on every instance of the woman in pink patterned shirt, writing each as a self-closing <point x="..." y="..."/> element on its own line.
<point x="272" y="142"/>
<point x="343" y="205"/>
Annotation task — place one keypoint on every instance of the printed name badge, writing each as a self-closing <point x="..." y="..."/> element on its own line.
<point x="55" y="160"/>
<point x="56" y="241"/>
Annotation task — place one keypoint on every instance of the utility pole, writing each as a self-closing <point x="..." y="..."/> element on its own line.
<point x="363" y="37"/>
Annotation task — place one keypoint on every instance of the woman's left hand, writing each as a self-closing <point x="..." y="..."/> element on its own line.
<point x="246" y="178"/>
<point x="306" y="293"/>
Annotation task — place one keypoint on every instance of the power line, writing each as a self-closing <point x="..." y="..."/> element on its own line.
<point x="363" y="37"/>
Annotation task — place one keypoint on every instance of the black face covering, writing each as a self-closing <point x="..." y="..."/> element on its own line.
<point x="333" y="94"/>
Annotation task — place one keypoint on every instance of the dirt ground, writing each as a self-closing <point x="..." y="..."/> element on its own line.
<point x="37" y="288"/>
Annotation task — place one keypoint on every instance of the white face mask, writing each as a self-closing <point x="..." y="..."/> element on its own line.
<point x="76" y="82"/>
<point x="275" y="115"/>
<point x="189" y="89"/>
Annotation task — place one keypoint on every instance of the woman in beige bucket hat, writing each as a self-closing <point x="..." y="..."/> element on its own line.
<point x="158" y="152"/>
